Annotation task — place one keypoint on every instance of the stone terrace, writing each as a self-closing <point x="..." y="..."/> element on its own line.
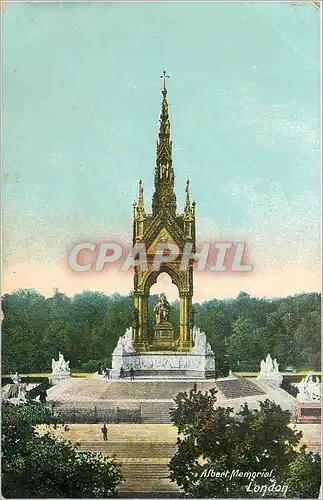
<point x="239" y="387"/>
<point x="96" y="388"/>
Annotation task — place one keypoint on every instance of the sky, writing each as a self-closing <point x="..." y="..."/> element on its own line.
<point x="81" y="99"/>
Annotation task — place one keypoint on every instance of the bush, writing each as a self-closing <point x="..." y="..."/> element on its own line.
<point x="289" y="387"/>
<point x="94" y="365"/>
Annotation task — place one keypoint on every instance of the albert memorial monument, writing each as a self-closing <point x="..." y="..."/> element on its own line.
<point x="165" y="354"/>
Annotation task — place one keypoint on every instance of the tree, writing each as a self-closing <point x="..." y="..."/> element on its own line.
<point x="304" y="477"/>
<point x="41" y="466"/>
<point x="246" y="344"/>
<point x="218" y="439"/>
<point x="308" y="339"/>
<point x="87" y="327"/>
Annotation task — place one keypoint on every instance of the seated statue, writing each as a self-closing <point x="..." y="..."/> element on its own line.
<point x="162" y="309"/>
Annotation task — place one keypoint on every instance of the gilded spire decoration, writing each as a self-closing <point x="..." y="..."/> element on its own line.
<point x="141" y="203"/>
<point x="164" y="123"/>
<point x="164" y="197"/>
<point x="188" y="206"/>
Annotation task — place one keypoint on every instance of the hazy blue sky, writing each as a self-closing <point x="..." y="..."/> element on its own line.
<point x="81" y="95"/>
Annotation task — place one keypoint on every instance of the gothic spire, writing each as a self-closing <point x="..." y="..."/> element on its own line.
<point x="164" y="123"/>
<point x="164" y="196"/>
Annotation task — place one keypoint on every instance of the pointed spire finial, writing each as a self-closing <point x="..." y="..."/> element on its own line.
<point x="164" y="76"/>
<point x="188" y="199"/>
<point x="164" y="194"/>
<point x="141" y="203"/>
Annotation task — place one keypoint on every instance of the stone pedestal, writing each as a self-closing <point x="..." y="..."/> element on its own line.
<point x="197" y="364"/>
<point x="57" y="378"/>
<point x="164" y="365"/>
<point x="164" y="338"/>
<point x="309" y="412"/>
<point x="274" y="379"/>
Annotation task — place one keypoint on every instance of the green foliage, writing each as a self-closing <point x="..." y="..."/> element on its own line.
<point x="18" y="424"/>
<point x="41" y="466"/>
<point x="211" y="437"/>
<point x="289" y="387"/>
<point x="94" y="365"/>
<point x="244" y="330"/>
<point x="86" y="328"/>
<point x="304" y="478"/>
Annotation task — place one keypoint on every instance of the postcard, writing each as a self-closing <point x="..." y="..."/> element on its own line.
<point x="161" y="290"/>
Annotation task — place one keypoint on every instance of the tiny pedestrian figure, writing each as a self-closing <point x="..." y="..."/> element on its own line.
<point x="66" y="427"/>
<point x="43" y="396"/>
<point x="104" y="431"/>
<point x="132" y="374"/>
<point x="121" y="372"/>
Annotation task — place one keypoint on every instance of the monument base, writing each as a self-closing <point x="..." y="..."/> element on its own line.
<point x="274" y="379"/>
<point x="198" y="363"/>
<point x="57" y="378"/>
<point x="164" y="338"/>
<point x="164" y="365"/>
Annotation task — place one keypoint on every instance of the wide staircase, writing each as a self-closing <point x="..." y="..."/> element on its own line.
<point x="156" y="412"/>
<point x="95" y="388"/>
<point x="150" y="478"/>
<point x="144" y="466"/>
<point x="130" y="452"/>
<point x="143" y="451"/>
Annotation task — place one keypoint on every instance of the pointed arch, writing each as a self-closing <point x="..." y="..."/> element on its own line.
<point x="152" y="277"/>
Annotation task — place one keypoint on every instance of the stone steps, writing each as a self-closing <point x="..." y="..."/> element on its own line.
<point x="95" y="388"/>
<point x="145" y="471"/>
<point x="170" y="374"/>
<point x="155" y="413"/>
<point x="144" y="466"/>
<point x="153" y="478"/>
<point x="125" y="450"/>
<point x="156" y="419"/>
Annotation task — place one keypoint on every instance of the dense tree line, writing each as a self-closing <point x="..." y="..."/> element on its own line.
<point x="87" y="326"/>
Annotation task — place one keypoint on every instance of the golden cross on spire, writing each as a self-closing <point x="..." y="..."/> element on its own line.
<point x="164" y="76"/>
